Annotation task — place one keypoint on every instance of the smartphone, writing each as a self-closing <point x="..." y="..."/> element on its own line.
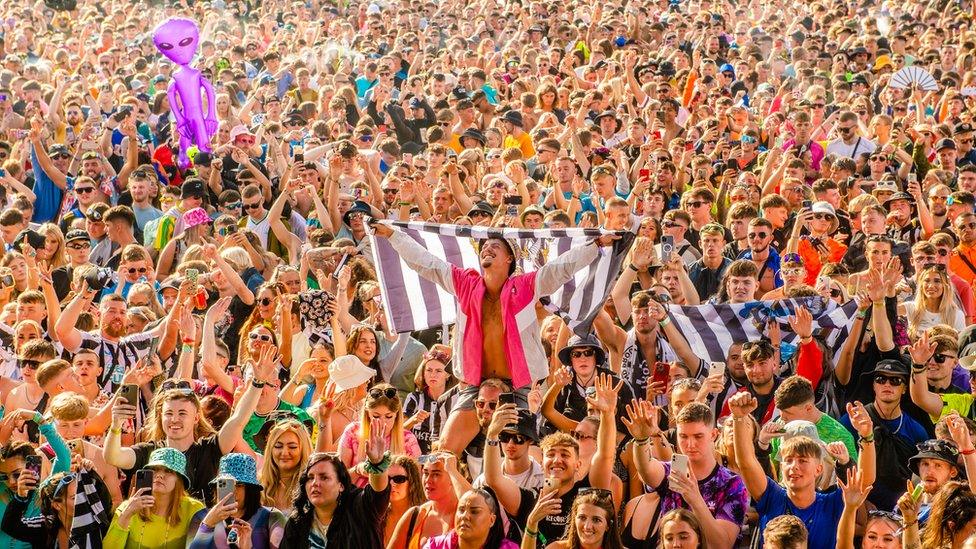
<point x="77" y="447"/>
<point x="33" y="463"/>
<point x="513" y="202"/>
<point x="823" y="282"/>
<point x="7" y="281"/>
<point x="193" y="274"/>
<point x="225" y="486"/>
<point x="144" y="479"/>
<point x="716" y="368"/>
<point x="807" y="204"/>
<point x="662" y="373"/>
<point x="130" y="394"/>
<point x="667" y="247"/>
<point x="153" y="348"/>
<point x="506" y="398"/>
<point x="643" y="174"/>
<point x="679" y="464"/>
<point x="549" y="484"/>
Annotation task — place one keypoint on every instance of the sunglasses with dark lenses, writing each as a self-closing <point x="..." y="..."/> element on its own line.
<point x="60" y="156"/>
<point x="84" y="190"/>
<point x="512" y="437"/>
<point x="140" y="270"/>
<point x="399" y="479"/>
<point x="941" y="357"/>
<point x="490" y="404"/>
<point x="81" y="246"/>
<point x="262" y="337"/>
<point x="581" y="436"/>
<point x="265" y="301"/>
<point x="885" y="380"/>
<point x="582" y="353"/>
<point x="376" y="392"/>
<point x="28" y="363"/>
<point x="171" y="384"/>
<point x="758" y="235"/>
<point x="255" y="206"/>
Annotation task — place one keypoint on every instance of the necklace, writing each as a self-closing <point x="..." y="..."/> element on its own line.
<point x="33" y="402"/>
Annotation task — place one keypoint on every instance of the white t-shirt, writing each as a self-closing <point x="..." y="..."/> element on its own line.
<point x="843" y="150"/>
<point x="931" y="319"/>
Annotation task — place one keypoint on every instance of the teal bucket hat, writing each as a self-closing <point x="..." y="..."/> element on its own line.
<point x="240" y="467"/>
<point x="170" y="459"/>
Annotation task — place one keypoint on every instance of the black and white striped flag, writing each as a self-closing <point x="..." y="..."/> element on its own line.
<point x="415" y="303"/>
<point x="712" y="329"/>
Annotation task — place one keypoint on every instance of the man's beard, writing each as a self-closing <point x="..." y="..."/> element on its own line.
<point x="112" y="331"/>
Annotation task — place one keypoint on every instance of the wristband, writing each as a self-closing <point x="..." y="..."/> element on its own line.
<point x="633" y="268"/>
<point x="870" y="438"/>
<point x="187" y="348"/>
<point x="115" y="430"/>
<point x="532" y="533"/>
<point x="642" y="441"/>
<point x="968" y="452"/>
<point x="862" y="314"/>
<point x="258" y="384"/>
<point x="665" y="322"/>
<point x="188" y="341"/>
<point x="493" y="442"/>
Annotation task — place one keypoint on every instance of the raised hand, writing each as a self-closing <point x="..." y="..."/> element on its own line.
<point x="504" y="415"/>
<point x="860" y="419"/>
<point x="959" y="432"/>
<point x="856" y="490"/>
<point x="802" y="323"/>
<point x="838" y="451"/>
<point x="641" y="420"/>
<point x="606" y="393"/>
<point x="742" y="404"/>
<point x="922" y="350"/>
<point x="376" y="444"/>
<point x="563" y="376"/>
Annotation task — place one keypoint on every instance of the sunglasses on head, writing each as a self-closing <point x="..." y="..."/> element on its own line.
<point x="599" y="492"/>
<point x="938" y="446"/>
<point x="175" y="384"/>
<point x="512" y="437"/>
<point x="376" y="392"/>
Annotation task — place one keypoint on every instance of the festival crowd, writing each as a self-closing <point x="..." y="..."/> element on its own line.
<point x="196" y="345"/>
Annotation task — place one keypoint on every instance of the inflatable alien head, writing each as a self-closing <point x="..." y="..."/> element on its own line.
<point x="177" y="39"/>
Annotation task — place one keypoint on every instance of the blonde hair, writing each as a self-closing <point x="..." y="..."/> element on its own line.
<point x="69" y="407"/>
<point x="397" y="439"/>
<point x="172" y="513"/>
<point x="58" y="259"/>
<point x="947" y="309"/>
<point x="270" y="474"/>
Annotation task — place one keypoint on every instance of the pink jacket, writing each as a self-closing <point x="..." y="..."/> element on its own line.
<point x="523" y="342"/>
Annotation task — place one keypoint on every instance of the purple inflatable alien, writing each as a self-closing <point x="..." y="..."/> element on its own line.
<point x="177" y="39"/>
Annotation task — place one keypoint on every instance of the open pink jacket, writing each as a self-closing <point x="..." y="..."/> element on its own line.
<point x="523" y="343"/>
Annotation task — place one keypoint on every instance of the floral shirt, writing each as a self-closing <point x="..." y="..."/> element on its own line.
<point x="723" y="491"/>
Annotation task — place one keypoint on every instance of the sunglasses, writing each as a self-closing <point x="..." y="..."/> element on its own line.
<point x="672" y="224"/>
<point x="376" y="392"/>
<point x="78" y="246"/>
<point x="938" y="446"/>
<point x="582" y="353"/>
<point x="758" y="235"/>
<point x="140" y="270"/>
<point x="885" y="380"/>
<point x="697" y="203"/>
<point x="581" y="436"/>
<point x="28" y="363"/>
<point x="822" y="216"/>
<point x="60" y="156"/>
<point x="265" y="301"/>
<point x="84" y="190"/>
<point x="490" y="404"/>
<point x="942" y="357"/>
<point x="399" y="479"/>
<point x="505" y="438"/>
<point x="255" y="206"/>
<point x="263" y="337"/>
<point x="233" y="205"/>
<point x="170" y="384"/>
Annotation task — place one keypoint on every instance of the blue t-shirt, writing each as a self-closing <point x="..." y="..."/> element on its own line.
<point x="47" y="205"/>
<point x="820" y="518"/>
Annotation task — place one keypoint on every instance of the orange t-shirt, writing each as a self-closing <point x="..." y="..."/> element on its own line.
<point x="811" y="257"/>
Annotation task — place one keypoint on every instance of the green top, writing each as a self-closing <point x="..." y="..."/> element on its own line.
<point x="256" y="421"/>
<point x="830" y="430"/>
<point x="156" y="533"/>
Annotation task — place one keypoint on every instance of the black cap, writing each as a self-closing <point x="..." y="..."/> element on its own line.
<point x="357" y="206"/>
<point x="76" y="234"/>
<point x="945" y="143"/>
<point x="193" y="188"/>
<point x="204" y="159"/>
<point x="34" y="238"/>
<point x="942" y="450"/>
<point x="513" y="117"/>
<point x="482" y="207"/>
<point x="965" y="127"/>
<point x="889" y="367"/>
<point x="474" y="133"/>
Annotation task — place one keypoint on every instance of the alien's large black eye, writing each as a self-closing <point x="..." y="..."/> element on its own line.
<point x="186" y="41"/>
<point x="165" y="46"/>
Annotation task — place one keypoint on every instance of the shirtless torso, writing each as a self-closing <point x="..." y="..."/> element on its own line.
<point x="494" y="363"/>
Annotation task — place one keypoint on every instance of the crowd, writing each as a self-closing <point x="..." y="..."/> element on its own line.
<point x="197" y="347"/>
